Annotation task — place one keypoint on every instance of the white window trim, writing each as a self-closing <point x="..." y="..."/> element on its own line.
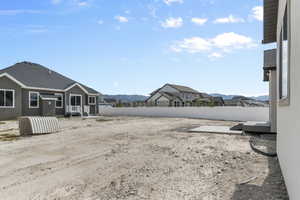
<point x="62" y="100"/>
<point x="89" y="100"/>
<point x="284" y="100"/>
<point x="10" y="90"/>
<point x="38" y="102"/>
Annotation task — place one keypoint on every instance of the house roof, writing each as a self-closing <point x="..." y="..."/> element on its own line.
<point x="182" y="88"/>
<point x="38" y="76"/>
<point x="270" y="21"/>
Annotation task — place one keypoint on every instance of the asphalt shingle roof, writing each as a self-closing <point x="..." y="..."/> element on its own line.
<point x="182" y="88"/>
<point x="35" y="75"/>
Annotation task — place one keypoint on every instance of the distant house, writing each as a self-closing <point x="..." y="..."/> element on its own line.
<point x="29" y="89"/>
<point x="176" y="96"/>
<point x="245" y="102"/>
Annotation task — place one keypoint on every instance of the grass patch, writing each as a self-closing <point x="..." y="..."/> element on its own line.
<point x="1" y="123"/>
<point x="8" y="137"/>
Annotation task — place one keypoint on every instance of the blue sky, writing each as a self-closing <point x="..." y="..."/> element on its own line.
<point x="136" y="46"/>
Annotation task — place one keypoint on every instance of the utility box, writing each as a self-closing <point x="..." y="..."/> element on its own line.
<point x="38" y="125"/>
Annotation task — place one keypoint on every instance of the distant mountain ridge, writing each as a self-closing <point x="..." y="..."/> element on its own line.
<point x="133" y="98"/>
<point x="227" y="97"/>
<point x="126" y="98"/>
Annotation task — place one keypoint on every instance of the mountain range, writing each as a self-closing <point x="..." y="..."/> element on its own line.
<point x="132" y="98"/>
<point x="227" y="97"/>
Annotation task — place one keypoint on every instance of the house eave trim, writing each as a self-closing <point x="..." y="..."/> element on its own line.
<point x="46" y="89"/>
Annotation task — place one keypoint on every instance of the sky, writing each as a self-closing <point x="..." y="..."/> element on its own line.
<point x="136" y="46"/>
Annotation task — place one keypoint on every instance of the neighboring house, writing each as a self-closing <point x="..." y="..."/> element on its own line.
<point x="29" y="89"/>
<point x="245" y="102"/>
<point x="176" y="96"/>
<point x="281" y="27"/>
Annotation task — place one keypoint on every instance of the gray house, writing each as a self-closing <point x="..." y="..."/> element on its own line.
<point x="29" y="89"/>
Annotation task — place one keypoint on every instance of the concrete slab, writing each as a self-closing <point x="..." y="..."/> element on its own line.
<point x="216" y="129"/>
<point x="257" y="127"/>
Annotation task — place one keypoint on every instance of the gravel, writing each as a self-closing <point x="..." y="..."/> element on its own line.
<point x="130" y="158"/>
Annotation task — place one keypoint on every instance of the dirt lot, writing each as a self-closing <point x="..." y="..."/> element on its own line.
<point x="136" y="159"/>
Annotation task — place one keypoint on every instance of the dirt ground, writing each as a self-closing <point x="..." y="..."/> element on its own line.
<point x="134" y="159"/>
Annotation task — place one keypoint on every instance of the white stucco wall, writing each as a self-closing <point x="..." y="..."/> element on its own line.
<point x="216" y="113"/>
<point x="288" y="117"/>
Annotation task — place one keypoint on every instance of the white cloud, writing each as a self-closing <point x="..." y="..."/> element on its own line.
<point x="229" y="19"/>
<point x="121" y="19"/>
<point x="169" y="2"/>
<point x="199" y="21"/>
<point x="215" y="55"/>
<point x="230" y="41"/>
<point x="192" y="45"/>
<point x="226" y="42"/>
<point x="100" y="22"/>
<point x="55" y="2"/>
<point x="172" y="22"/>
<point x="258" y="13"/>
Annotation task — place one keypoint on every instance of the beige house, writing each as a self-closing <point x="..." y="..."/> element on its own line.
<point x="175" y="95"/>
<point x="282" y="26"/>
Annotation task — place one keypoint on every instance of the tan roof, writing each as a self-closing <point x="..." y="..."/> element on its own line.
<point x="182" y="88"/>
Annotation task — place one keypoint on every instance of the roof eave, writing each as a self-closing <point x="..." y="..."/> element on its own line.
<point x="270" y="21"/>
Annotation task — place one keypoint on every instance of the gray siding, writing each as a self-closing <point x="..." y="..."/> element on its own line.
<point x="79" y="91"/>
<point x="26" y="111"/>
<point x="10" y="113"/>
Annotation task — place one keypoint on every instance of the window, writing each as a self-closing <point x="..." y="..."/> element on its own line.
<point x="284" y="59"/>
<point x="92" y="100"/>
<point x="7" y="98"/>
<point x="59" y="102"/>
<point x="75" y="100"/>
<point x="33" y="100"/>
